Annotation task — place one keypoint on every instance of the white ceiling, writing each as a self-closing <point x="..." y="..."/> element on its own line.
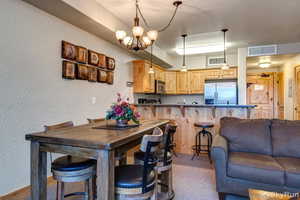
<point x="251" y="22"/>
<point x="275" y="60"/>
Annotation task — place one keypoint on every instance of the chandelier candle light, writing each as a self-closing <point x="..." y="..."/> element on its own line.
<point x="139" y="40"/>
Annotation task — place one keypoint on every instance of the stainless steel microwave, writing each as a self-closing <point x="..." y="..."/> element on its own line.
<point x="160" y="87"/>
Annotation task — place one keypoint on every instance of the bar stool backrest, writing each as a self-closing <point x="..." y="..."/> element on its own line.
<point x="91" y="121"/>
<point x="149" y="145"/>
<point x="169" y="134"/>
<point x="152" y="140"/>
<point x="59" y="126"/>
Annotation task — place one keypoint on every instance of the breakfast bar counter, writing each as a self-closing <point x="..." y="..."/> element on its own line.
<point x="186" y="115"/>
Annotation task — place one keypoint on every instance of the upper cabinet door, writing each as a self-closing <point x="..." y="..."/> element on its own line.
<point x="182" y="83"/>
<point x="213" y="74"/>
<point x="229" y="74"/>
<point x="143" y="82"/>
<point x="170" y="79"/>
<point x="159" y="74"/>
<point x="197" y="79"/>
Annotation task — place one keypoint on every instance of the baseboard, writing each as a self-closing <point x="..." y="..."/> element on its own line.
<point x="25" y="190"/>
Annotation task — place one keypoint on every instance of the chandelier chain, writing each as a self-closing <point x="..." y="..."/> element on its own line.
<point x="165" y="27"/>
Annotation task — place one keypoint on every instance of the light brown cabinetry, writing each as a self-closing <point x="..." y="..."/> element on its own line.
<point x="159" y="73"/>
<point x="221" y="74"/>
<point x="170" y="80"/>
<point x="143" y="82"/>
<point x="191" y="82"/>
<point x="182" y="83"/>
<point x="196" y="80"/>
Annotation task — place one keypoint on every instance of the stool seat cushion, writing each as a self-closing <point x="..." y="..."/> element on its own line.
<point x="131" y="176"/>
<point x="204" y="125"/>
<point x="71" y="163"/>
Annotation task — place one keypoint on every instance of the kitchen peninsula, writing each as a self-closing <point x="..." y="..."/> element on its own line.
<point x="186" y="115"/>
<point x="171" y="103"/>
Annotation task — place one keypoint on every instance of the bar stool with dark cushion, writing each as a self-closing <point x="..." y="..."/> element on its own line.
<point x="198" y="147"/>
<point x="164" y="163"/>
<point x="138" y="181"/>
<point x="69" y="169"/>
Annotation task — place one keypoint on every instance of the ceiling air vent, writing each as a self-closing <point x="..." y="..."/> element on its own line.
<point x="262" y="50"/>
<point x="215" y="61"/>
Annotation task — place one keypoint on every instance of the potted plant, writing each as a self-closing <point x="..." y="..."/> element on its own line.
<point x="123" y="112"/>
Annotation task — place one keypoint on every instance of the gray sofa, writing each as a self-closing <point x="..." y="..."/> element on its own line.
<point x="258" y="154"/>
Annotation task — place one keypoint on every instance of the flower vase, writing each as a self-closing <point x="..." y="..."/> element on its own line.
<point x="122" y="122"/>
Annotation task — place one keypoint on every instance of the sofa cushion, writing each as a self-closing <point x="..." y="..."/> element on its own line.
<point x="286" y="138"/>
<point x="292" y="170"/>
<point x="243" y="135"/>
<point x="255" y="167"/>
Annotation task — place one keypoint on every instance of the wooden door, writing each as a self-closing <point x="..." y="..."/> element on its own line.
<point x="197" y="79"/>
<point x="170" y="79"/>
<point x="297" y="93"/>
<point x="182" y="83"/>
<point x="280" y="92"/>
<point x="260" y="92"/>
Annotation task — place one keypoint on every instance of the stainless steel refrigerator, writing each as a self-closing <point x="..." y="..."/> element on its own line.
<point x="221" y="92"/>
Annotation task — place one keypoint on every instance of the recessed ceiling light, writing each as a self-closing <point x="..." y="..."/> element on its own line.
<point x="264" y="64"/>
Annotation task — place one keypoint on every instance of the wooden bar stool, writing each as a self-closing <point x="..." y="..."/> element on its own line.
<point x="70" y="169"/>
<point x="198" y="147"/>
<point x="139" y="182"/>
<point x="164" y="163"/>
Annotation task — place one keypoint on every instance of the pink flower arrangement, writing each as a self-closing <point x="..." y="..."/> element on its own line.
<point x="123" y="110"/>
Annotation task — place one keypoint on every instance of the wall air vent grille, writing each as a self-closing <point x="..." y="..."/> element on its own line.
<point x="215" y="61"/>
<point x="262" y="50"/>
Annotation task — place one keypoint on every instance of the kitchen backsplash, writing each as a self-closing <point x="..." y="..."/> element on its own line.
<point x="172" y="99"/>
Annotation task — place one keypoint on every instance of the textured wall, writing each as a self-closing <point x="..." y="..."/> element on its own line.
<point x="32" y="90"/>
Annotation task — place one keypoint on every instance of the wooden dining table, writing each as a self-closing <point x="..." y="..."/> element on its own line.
<point x="85" y="141"/>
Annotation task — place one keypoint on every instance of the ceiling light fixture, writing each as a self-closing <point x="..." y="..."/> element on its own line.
<point x="139" y="41"/>
<point x="225" y="66"/>
<point x="183" y="67"/>
<point x="265" y="64"/>
<point x="151" y="70"/>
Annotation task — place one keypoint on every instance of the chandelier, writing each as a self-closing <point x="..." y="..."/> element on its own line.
<point x="137" y="40"/>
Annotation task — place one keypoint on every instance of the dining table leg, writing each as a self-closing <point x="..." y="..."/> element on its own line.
<point x="105" y="175"/>
<point x="38" y="167"/>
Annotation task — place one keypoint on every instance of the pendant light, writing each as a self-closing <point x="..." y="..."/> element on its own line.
<point x="151" y="70"/>
<point x="184" y="67"/>
<point x="225" y="65"/>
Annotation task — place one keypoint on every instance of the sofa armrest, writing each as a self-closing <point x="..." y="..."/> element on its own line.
<point x="219" y="154"/>
<point x="219" y="148"/>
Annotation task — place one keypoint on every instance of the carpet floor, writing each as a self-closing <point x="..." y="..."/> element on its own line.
<point x="193" y="180"/>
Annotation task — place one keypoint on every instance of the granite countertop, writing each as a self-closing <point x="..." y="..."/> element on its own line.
<point x="199" y="105"/>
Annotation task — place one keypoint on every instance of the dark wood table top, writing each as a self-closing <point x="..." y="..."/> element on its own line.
<point x="88" y="137"/>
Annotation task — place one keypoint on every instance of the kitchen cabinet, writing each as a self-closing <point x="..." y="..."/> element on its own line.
<point x="221" y="74"/>
<point x="159" y="73"/>
<point x="229" y="74"/>
<point x="196" y="79"/>
<point x="182" y="83"/>
<point x="143" y="82"/>
<point x="170" y="80"/>
<point x="213" y="74"/>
